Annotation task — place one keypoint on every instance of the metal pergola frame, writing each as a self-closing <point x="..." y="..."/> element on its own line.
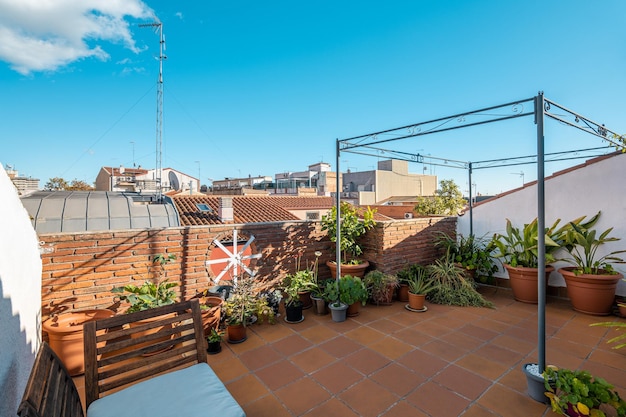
<point x="368" y="145"/>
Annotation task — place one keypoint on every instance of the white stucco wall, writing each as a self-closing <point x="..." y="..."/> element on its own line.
<point x="599" y="186"/>
<point x="20" y="296"/>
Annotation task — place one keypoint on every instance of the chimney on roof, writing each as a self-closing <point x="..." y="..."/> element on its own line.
<point x="226" y="209"/>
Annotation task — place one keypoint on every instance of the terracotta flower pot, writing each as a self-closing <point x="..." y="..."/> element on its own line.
<point x="591" y="294"/>
<point x="347" y="269"/>
<point x="403" y="293"/>
<point x="65" y="335"/>
<point x="524" y="282"/>
<point x="211" y="315"/>
<point x="305" y="299"/>
<point x="416" y="301"/>
<point x="354" y="309"/>
<point x="236" y="333"/>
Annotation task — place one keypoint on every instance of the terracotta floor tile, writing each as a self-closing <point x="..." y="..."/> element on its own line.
<point x="366" y="361"/>
<point x="444" y="350"/>
<point x="368" y="398"/>
<point x="438" y="401"/>
<point x="514" y="344"/>
<point x="499" y="354"/>
<point x="386" y="326"/>
<point x="506" y="402"/>
<point x="230" y="369"/>
<point x="565" y="345"/>
<point x="484" y="367"/>
<point x="291" y="345"/>
<point x="364" y="335"/>
<point x="271" y="333"/>
<point x="247" y="389"/>
<point x="398" y="379"/>
<point x="340" y="346"/>
<point x="423" y="363"/>
<point x="391" y="347"/>
<point x="432" y="329"/>
<point x="302" y="396"/>
<point x="318" y="334"/>
<point x="332" y="408"/>
<point x="476" y="410"/>
<point x="311" y="360"/>
<point x="462" y="381"/>
<point x="268" y="406"/>
<point x="463" y="341"/>
<point x="279" y="374"/>
<point x="403" y="409"/>
<point x="258" y="358"/>
<point x="337" y="376"/>
<point x="413" y="336"/>
<point x="478" y="332"/>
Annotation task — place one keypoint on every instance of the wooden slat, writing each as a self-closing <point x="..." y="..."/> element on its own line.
<point x="50" y="391"/>
<point x="118" y="355"/>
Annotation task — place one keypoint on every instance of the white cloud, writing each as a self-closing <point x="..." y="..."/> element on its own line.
<point x="179" y="15"/>
<point x="44" y="35"/>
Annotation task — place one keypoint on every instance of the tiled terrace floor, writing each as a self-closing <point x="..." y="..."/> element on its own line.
<point x="448" y="361"/>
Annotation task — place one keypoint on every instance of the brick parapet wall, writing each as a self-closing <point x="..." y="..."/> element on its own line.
<point x="82" y="268"/>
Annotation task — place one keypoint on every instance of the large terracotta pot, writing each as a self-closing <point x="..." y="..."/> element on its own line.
<point x="211" y="313"/>
<point x="591" y="294"/>
<point x="354" y="309"/>
<point x="65" y="335"/>
<point x="347" y="269"/>
<point x="524" y="282"/>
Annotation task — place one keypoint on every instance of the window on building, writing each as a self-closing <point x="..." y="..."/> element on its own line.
<point x="312" y="215"/>
<point x="204" y="208"/>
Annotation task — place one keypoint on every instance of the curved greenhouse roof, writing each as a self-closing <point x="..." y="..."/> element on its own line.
<point x="80" y="211"/>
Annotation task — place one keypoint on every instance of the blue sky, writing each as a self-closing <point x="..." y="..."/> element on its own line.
<point x="256" y="88"/>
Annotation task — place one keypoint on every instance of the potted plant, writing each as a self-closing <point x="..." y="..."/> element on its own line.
<point x="337" y="308"/>
<point x="352" y="292"/>
<point x="453" y="287"/>
<point x="472" y="254"/>
<point x="592" y="280"/>
<point x="419" y="287"/>
<point x="150" y="294"/>
<point x="293" y="286"/>
<point x="319" y="297"/>
<point x="519" y="250"/>
<point x="211" y="309"/>
<point x="243" y="307"/>
<point x="405" y="275"/>
<point x="273" y="298"/>
<point x="380" y="287"/>
<point x="214" y="342"/>
<point x="578" y="393"/>
<point x="354" y="223"/>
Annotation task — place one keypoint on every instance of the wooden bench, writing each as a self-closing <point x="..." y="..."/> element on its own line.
<point x="150" y="363"/>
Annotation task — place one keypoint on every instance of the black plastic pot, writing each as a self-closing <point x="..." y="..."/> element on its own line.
<point x="293" y="313"/>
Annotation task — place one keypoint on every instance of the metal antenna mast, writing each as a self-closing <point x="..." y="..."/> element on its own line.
<point x="158" y="27"/>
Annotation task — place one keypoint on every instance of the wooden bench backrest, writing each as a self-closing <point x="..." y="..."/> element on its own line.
<point x="125" y="349"/>
<point x="50" y="391"/>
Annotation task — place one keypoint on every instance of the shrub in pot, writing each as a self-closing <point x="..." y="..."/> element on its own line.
<point x="337" y="308"/>
<point x="578" y="393"/>
<point x="354" y="223"/>
<point x="471" y="253"/>
<point x="380" y="287"/>
<point x="244" y="306"/>
<point x="518" y="248"/>
<point x="453" y="287"/>
<point x="214" y="342"/>
<point x="352" y="292"/>
<point x="591" y="280"/>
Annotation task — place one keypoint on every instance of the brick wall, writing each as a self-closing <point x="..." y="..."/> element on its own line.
<point x="82" y="268"/>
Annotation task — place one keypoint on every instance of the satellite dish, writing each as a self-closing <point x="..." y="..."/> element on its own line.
<point x="173" y="181"/>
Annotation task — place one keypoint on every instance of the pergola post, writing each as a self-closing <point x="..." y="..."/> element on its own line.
<point x="541" y="236"/>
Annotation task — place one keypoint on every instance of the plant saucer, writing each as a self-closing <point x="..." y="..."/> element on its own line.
<point x="416" y="310"/>
<point x="293" y="322"/>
